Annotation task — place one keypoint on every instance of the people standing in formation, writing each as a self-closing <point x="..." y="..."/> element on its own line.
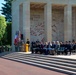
<point x="54" y="47"/>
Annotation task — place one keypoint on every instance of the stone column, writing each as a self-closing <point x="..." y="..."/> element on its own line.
<point x="26" y="20"/>
<point x="15" y="22"/>
<point x="48" y="22"/>
<point x="68" y="23"/>
<point x="21" y="18"/>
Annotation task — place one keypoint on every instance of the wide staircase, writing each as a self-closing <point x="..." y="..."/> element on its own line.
<point x="63" y="65"/>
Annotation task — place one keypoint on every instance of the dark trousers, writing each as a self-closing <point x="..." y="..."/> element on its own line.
<point x="70" y="50"/>
<point x="66" y="51"/>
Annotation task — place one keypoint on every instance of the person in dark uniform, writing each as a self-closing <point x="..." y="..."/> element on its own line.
<point x="28" y="42"/>
<point x="70" y="47"/>
<point x="33" y="46"/>
<point x="66" y="48"/>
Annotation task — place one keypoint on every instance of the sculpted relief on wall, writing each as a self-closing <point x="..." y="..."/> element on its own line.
<point x="37" y="29"/>
<point x="37" y="25"/>
<point x="58" y="25"/>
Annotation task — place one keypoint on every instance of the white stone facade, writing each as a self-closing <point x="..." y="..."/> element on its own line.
<point x="44" y="20"/>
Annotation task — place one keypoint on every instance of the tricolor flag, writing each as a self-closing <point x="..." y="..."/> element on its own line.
<point x="17" y="38"/>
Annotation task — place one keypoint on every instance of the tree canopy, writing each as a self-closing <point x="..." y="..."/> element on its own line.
<point x="6" y="10"/>
<point x="2" y="26"/>
<point x="6" y="40"/>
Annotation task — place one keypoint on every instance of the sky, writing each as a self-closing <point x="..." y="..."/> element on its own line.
<point x="1" y="1"/>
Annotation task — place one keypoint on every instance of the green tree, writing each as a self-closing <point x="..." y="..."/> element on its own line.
<point x="8" y="30"/>
<point x="2" y="27"/>
<point x="6" y="10"/>
<point x="6" y="40"/>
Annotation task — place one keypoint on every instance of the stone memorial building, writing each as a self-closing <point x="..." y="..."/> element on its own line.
<point x="44" y="20"/>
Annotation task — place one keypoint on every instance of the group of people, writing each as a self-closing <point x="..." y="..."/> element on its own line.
<point x="53" y="47"/>
<point x="46" y="47"/>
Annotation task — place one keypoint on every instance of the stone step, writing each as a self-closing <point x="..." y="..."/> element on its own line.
<point x="11" y="54"/>
<point x="50" y="66"/>
<point x="23" y="53"/>
<point x="36" y="55"/>
<point x="46" y="60"/>
<point x="51" y="58"/>
<point x="58" y="64"/>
